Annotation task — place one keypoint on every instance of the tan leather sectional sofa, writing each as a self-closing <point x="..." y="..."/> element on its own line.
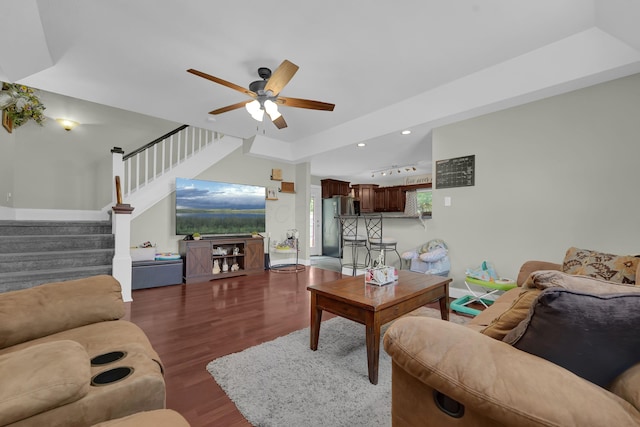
<point x="49" y="336"/>
<point x="445" y="374"/>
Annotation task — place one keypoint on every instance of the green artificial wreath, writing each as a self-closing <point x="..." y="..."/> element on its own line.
<point x="27" y="106"/>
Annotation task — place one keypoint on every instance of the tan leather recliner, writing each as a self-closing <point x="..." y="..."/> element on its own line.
<point x="445" y="374"/>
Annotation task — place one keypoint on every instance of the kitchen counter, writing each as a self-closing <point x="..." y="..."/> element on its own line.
<point x="400" y="215"/>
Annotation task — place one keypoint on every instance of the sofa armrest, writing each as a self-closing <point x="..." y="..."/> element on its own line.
<point x="43" y="377"/>
<point x="54" y="307"/>
<point x="627" y="385"/>
<point x="531" y="266"/>
<point x="501" y="382"/>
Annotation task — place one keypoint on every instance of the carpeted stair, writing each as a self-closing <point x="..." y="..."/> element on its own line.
<point x="36" y="252"/>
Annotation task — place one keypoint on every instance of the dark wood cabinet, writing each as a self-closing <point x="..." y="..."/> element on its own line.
<point x="334" y="187"/>
<point x="366" y="195"/>
<point x="199" y="257"/>
<point x="197" y="260"/>
<point x="380" y="200"/>
<point x="389" y="199"/>
<point x="395" y="199"/>
<point x="254" y="254"/>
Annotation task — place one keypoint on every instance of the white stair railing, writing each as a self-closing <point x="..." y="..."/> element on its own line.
<point x="148" y="174"/>
<point x="159" y="157"/>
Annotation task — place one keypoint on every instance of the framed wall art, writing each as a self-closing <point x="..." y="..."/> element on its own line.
<point x="272" y="193"/>
<point x="6" y="122"/>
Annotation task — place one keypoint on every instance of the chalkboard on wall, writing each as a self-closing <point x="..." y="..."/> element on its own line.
<point x="456" y="172"/>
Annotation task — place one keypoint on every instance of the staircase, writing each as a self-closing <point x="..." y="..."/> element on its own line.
<point x="43" y="251"/>
<point x="36" y="252"/>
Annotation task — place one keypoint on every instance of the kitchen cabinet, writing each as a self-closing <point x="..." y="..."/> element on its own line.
<point x="389" y="199"/>
<point x="395" y="198"/>
<point x="365" y="193"/>
<point x="334" y="187"/>
<point x="380" y="200"/>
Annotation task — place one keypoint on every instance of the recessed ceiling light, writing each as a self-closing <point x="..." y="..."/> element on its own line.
<point x="362" y="144"/>
<point x="406" y="132"/>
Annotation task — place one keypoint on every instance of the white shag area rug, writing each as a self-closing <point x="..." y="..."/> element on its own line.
<point x="284" y="383"/>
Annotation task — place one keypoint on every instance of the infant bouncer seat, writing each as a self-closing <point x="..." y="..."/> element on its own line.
<point x="430" y="258"/>
<point x="486" y="279"/>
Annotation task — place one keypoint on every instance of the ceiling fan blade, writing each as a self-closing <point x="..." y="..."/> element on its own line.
<point x="229" y="108"/>
<point x="222" y="82"/>
<point x="281" y="76"/>
<point x="304" y="103"/>
<point x="280" y="123"/>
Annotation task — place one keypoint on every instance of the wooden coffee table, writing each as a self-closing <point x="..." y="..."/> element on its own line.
<point x="373" y="306"/>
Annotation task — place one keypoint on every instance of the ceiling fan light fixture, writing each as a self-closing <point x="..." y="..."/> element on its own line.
<point x="265" y="92"/>
<point x="272" y="109"/>
<point x="258" y="115"/>
<point x="255" y="110"/>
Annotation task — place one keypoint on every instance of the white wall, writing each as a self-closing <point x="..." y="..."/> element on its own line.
<point x="50" y="175"/>
<point x="157" y="225"/>
<point x="302" y="200"/>
<point x="7" y="145"/>
<point x="46" y="167"/>
<point x="552" y="174"/>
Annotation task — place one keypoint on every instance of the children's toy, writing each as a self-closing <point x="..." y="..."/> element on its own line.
<point x="485" y="277"/>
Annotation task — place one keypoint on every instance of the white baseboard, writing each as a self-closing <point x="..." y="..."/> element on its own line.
<point x="7" y="214"/>
<point x="52" y="214"/>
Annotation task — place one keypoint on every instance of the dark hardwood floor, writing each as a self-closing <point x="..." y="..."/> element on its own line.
<point x="190" y="325"/>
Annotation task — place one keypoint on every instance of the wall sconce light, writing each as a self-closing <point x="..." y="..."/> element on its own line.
<point x="67" y="124"/>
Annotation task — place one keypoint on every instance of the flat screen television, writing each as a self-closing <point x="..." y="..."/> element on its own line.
<point x="219" y="208"/>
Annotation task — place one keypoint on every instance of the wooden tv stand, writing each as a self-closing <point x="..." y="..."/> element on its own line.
<point x="198" y="256"/>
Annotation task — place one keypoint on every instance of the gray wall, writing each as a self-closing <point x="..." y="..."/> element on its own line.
<point x="552" y="174"/>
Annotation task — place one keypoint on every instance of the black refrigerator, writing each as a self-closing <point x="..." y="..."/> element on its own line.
<point x="331" y="229"/>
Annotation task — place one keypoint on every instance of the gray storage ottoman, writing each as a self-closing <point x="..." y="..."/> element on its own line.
<point x="151" y="274"/>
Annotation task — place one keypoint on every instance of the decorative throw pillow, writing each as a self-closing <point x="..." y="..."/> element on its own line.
<point x="509" y="319"/>
<point x="544" y="279"/>
<point x="613" y="268"/>
<point x="593" y="336"/>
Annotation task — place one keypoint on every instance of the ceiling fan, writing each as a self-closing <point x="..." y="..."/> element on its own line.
<point x="266" y="94"/>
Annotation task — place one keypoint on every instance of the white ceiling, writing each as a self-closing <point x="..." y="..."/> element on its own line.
<point x="388" y="66"/>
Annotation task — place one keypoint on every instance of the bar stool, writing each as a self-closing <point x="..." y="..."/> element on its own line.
<point x="376" y="240"/>
<point x="351" y="239"/>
